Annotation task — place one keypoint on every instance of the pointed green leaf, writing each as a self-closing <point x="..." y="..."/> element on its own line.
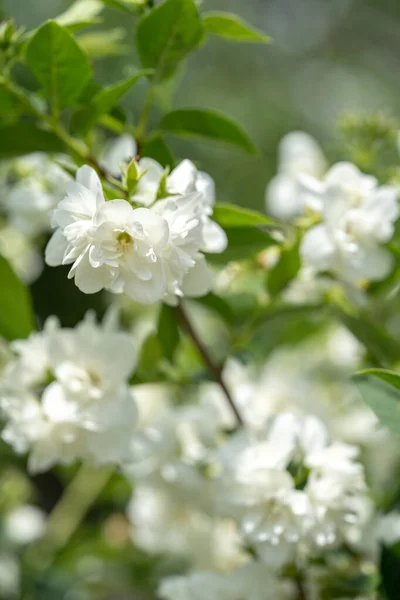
<point x="157" y="148"/>
<point x="231" y="215"/>
<point x="58" y="63"/>
<point x="232" y="27"/>
<point x="285" y="269"/>
<point x="208" y="124"/>
<point x="17" y="319"/>
<point x="102" y="43"/>
<point x="132" y="176"/>
<point x="104" y="100"/>
<point x="391" y="377"/>
<point x="380" y="345"/>
<point x="81" y="14"/>
<point x="167" y="34"/>
<point x="23" y="138"/>
<point x="382" y="398"/>
<point x="243" y="244"/>
<point x="168" y="331"/>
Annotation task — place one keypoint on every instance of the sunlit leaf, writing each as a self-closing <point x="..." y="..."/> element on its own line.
<point x="208" y="124"/>
<point x="232" y="27"/>
<point x="167" y="34"/>
<point x="59" y="64"/>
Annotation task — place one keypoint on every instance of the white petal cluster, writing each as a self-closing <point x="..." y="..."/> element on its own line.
<point x="358" y="217"/>
<point x="298" y="154"/>
<point x="183" y="180"/>
<point x="37" y="183"/>
<point x="65" y="395"/>
<point x="291" y="491"/>
<point x="149" y="254"/>
<point x="30" y="188"/>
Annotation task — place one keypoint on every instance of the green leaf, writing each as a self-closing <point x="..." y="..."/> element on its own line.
<point x="132" y="176"/>
<point x="231" y="215"/>
<point x="104" y="100"/>
<point x="58" y="63"/>
<point x="218" y="305"/>
<point x="391" y="377"/>
<point x="167" y="34"/>
<point x="126" y="6"/>
<point x="99" y="44"/>
<point x="150" y="356"/>
<point x="23" y="138"/>
<point x="382" y="398"/>
<point x="168" y="331"/>
<point x="285" y="269"/>
<point x="17" y="319"/>
<point x="157" y="148"/>
<point x="81" y="14"/>
<point x="231" y="27"/>
<point x="209" y="124"/>
<point x="381" y="347"/>
<point x="243" y="244"/>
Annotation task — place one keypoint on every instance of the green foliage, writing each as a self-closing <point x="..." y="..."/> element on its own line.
<point x="208" y="124"/>
<point x="150" y="356"/>
<point x="81" y="14"/>
<point x="382" y="398"/>
<point x="23" y="138"/>
<point x="58" y="63"/>
<point x="167" y="34"/>
<point x="371" y="142"/>
<point x="285" y="270"/>
<point x="157" y="148"/>
<point x="243" y="244"/>
<point x="101" y="44"/>
<point x="168" y="331"/>
<point x="380" y="346"/>
<point x="232" y="27"/>
<point x="104" y="100"/>
<point x="132" y="176"/>
<point x="231" y="215"/>
<point x="16" y="313"/>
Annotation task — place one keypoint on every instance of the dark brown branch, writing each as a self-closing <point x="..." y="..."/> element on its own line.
<point x="215" y="371"/>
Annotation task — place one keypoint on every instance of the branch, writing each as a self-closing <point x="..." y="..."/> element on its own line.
<point x="300" y="589"/>
<point x="215" y="371"/>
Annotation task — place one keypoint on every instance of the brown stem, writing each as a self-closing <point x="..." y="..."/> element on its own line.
<point x="212" y="367"/>
<point x="300" y="588"/>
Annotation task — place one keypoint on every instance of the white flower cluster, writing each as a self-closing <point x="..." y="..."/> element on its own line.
<point x="65" y="395"/>
<point x="31" y="186"/>
<point x="150" y="253"/>
<point x="357" y="215"/>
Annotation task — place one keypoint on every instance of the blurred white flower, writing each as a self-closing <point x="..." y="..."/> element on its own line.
<point x="358" y="217"/>
<point x="24" y="524"/>
<point x="298" y="154"/>
<point x="162" y="524"/>
<point x="9" y="576"/>
<point x="65" y="396"/>
<point x="40" y="184"/>
<point x="253" y="582"/>
<point x="22" y="254"/>
<point x="148" y="254"/>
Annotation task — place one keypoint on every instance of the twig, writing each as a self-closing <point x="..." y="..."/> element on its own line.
<point x="212" y="367"/>
<point x="300" y="588"/>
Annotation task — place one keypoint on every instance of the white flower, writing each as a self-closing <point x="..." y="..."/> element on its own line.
<point x="40" y="185"/>
<point x="66" y="397"/>
<point x="358" y="217"/>
<point x="298" y="154"/>
<point x="251" y="582"/>
<point x="24" y="524"/>
<point x="22" y="254"/>
<point x="183" y="180"/>
<point x="160" y="523"/>
<point x="148" y="254"/>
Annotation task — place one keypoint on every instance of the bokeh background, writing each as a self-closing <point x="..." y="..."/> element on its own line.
<point x="328" y="58"/>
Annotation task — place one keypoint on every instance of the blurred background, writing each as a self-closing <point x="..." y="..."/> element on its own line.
<point x="328" y="58"/>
